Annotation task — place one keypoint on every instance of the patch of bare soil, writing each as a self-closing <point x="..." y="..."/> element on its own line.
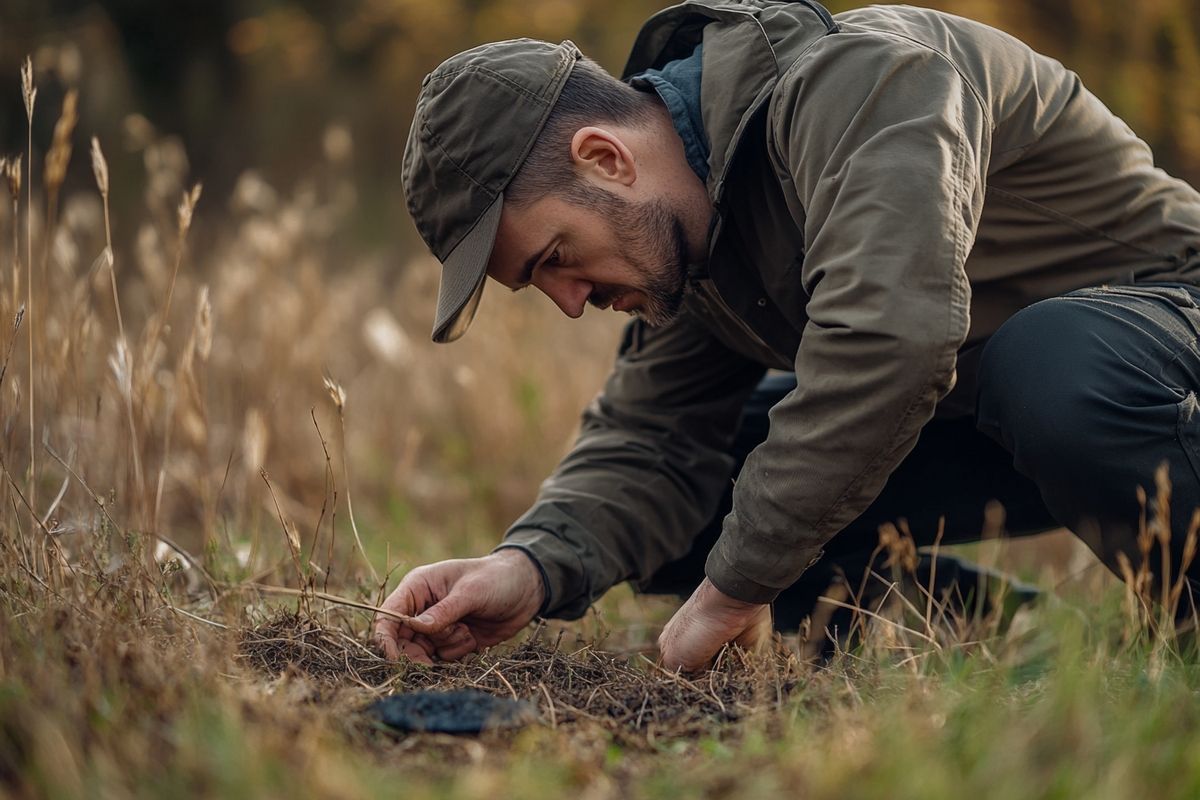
<point x="634" y="699"/>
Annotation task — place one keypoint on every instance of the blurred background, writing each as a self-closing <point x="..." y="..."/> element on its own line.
<point x="259" y="83"/>
<point x="302" y="266"/>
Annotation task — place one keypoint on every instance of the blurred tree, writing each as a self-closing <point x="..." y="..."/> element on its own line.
<point x="256" y="83"/>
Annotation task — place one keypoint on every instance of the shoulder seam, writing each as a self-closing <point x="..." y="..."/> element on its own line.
<point x="987" y="114"/>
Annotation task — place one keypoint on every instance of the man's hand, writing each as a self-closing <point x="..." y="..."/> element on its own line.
<point x="706" y="622"/>
<point x="460" y="606"/>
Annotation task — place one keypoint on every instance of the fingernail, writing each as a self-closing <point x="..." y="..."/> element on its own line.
<point x="425" y="619"/>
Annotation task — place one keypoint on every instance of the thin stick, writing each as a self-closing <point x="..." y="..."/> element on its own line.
<point x="293" y="546"/>
<point x="550" y="705"/>
<point x="328" y="598"/>
<point x="190" y="615"/>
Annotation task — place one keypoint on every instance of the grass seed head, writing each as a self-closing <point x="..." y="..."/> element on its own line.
<point x="120" y="364"/>
<point x="28" y="90"/>
<point x="100" y="167"/>
<point x="336" y="393"/>
<point x="60" y="149"/>
<point x="187" y="206"/>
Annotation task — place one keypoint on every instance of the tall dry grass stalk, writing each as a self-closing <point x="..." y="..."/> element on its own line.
<point x="29" y="94"/>
<point x="122" y="359"/>
<point x="338" y="395"/>
<point x="187" y="208"/>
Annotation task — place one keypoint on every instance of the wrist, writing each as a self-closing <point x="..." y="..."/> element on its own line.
<point x="519" y="561"/>
<point x="713" y="596"/>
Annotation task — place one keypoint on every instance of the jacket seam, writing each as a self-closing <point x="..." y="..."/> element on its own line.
<point x="786" y="76"/>
<point x="970" y="84"/>
<point x="1066" y="219"/>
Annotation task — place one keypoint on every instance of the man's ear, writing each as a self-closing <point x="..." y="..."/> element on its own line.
<point x="600" y="155"/>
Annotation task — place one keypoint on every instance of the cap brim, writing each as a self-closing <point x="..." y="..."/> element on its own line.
<point x="463" y="274"/>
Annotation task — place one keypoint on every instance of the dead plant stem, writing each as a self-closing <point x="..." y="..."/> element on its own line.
<point x="325" y="596"/>
<point x="29" y="101"/>
<point x="349" y="502"/>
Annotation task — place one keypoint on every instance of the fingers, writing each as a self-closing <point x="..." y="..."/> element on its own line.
<point x="444" y="613"/>
<point x="455" y="642"/>
<point x="432" y="601"/>
<point x="414" y="651"/>
<point x="390" y="634"/>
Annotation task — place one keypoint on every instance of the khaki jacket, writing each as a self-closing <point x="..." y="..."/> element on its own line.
<point x="890" y="185"/>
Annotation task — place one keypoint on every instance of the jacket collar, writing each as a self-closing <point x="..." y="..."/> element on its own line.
<point x="741" y="63"/>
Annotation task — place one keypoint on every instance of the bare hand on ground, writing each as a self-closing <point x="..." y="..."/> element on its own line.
<point x="460" y="606"/>
<point x="706" y="622"/>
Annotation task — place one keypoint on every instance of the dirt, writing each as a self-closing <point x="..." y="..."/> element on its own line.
<point x="631" y="697"/>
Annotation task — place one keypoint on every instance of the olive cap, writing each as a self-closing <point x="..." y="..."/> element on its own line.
<point x="477" y="117"/>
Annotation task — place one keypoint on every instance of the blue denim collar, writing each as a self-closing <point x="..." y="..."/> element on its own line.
<point x="678" y="84"/>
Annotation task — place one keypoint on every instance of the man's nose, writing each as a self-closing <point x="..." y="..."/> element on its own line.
<point x="569" y="294"/>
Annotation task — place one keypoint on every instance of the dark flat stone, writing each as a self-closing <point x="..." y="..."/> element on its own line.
<point x="459" y="711"/>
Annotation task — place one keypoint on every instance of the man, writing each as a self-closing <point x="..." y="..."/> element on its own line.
<point x="985" y="289"/>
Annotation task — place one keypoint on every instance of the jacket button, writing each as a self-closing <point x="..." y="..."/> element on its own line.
<point x="762" y="302"/>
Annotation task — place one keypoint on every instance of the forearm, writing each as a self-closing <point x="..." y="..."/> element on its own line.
<point x="647" y="471"/>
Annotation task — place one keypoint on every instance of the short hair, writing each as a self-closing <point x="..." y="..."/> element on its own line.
<point x="590" y="96"/>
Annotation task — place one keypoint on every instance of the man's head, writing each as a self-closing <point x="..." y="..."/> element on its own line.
<point x="529" y="162"/>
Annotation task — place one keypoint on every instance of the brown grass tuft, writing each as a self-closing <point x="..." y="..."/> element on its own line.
<point x="630" y="698"/>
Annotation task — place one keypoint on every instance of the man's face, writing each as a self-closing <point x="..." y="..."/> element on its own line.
<point x="610" y="252"/>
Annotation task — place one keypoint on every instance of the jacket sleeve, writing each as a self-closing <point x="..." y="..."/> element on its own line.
<point x="648" y="469"/>
<point x="885" y="145"/>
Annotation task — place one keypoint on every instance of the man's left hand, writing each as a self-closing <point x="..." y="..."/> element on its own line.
<point x="706" y="622"/>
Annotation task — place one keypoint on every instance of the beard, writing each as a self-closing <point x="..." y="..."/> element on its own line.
<point x="652" y="240"/>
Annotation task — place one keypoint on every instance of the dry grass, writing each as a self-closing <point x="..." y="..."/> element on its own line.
<point x="630" y="697"/>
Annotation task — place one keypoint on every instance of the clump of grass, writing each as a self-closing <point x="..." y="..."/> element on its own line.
<point x="632" y="699"/>
<point x="291" y="641"/>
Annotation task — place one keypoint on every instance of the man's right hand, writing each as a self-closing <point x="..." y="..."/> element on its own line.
<point x="460" y="606"/>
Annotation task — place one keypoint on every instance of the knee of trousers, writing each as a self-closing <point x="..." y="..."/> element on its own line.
<point x="1044" y="388"/>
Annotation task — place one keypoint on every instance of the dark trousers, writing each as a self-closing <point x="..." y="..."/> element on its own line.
<point x="1079" y="399"/>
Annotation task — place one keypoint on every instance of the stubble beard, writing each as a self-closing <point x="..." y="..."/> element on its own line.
<point x="651" y="239"/>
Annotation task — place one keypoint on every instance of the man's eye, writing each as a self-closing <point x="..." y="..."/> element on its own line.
<point x="554" y="259"/>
